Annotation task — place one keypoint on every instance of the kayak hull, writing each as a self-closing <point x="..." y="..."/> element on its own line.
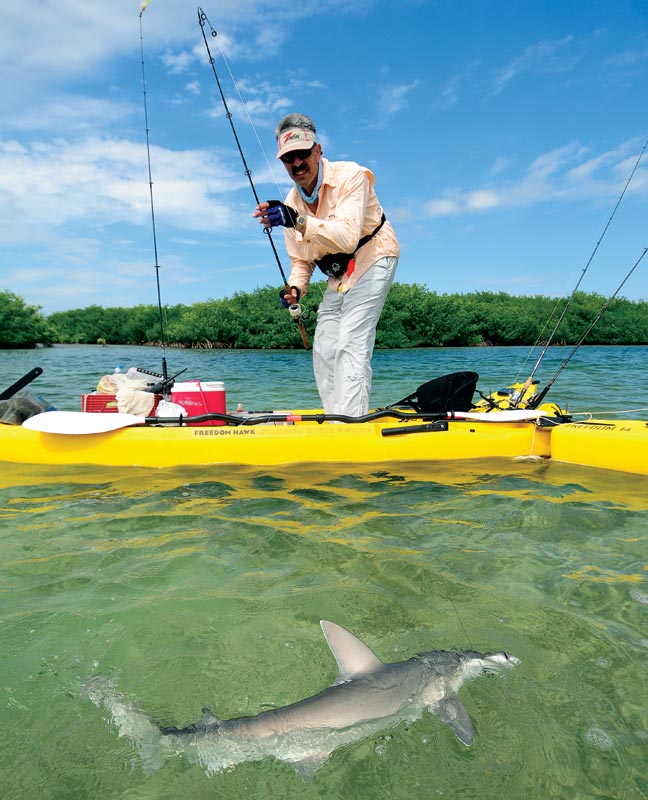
<point x="605" y="444"/>
<point x="268" y="445"/>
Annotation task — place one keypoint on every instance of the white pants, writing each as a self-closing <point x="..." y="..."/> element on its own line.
<point x="345" y="337"/>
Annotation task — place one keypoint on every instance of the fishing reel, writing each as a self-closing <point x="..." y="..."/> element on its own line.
<point x="294" y="309"/>
<point x="297" y="313"/>
<point x="162" y="386"/>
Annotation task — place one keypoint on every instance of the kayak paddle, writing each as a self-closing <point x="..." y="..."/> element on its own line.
<point x="81" y="422"/>
<point x="21" y="383"/>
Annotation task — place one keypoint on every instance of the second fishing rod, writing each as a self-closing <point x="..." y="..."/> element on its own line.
<point x="295" y="309"/>
<point x="519" y="394"/>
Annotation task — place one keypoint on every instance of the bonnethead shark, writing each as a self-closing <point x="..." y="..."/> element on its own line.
<point x="367" y="697"/>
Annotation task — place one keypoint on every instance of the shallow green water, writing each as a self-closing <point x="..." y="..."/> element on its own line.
<point x="196" y="587"/>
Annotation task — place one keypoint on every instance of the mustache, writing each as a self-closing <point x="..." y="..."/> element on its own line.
<point x="298" y="170"/>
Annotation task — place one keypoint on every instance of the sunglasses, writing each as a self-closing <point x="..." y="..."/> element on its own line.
<point x="302" y="155"/>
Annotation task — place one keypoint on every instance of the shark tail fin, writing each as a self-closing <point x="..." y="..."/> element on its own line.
<point x="130" y="722"/>
<point x="453" y="712"/>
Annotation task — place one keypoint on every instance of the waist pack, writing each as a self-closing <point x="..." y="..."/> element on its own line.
<point x="336" y="264"/>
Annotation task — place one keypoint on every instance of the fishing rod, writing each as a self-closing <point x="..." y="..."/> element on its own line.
<point x="155" y="247"/>
<point x="517" y="396"/>
<point x="295" y="309"/>
<point x="535" y="401"/>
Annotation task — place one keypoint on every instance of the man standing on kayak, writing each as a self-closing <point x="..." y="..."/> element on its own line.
<point x="333" y="220"/>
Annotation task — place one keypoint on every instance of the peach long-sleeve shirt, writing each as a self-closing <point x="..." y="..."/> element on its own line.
<point x="347" y="210"/>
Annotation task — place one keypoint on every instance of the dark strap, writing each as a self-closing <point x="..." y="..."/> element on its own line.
<point x="335" y="264"/>
<point x="370" y="236"/>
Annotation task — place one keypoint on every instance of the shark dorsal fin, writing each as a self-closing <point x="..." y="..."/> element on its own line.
<point x="353" y="657"/>
<point x="210" y="720"/>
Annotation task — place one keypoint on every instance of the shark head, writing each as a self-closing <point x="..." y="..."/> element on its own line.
<point x="467" y="664"/>
<point x="448" y="672"/>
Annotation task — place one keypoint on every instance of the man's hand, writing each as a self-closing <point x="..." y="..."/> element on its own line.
<point x="280" y="214"/>
<point x="289" y="296"/>
<point x="273" y="213"/>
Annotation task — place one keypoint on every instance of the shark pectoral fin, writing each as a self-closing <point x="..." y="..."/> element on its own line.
<point x="309" y="765"/>
<point x="353" y="656"/>
<point x="452" y="711"/>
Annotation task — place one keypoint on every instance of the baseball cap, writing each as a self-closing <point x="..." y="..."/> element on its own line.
<point x="295" y="139"/>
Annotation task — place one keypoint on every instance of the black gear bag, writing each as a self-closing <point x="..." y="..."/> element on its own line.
<point x="336" y="264"/>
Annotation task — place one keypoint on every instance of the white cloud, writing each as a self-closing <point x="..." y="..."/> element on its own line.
<point x="551" y="162"/>
<point x="481" y="200"/>
<point x="269" y="40"/>
<point x="544" y="56"/>
<point x="69" y="113"/>
<point x="501" y="164"/>
<point x="61" y="40"/>
<point x="260" y="102"/>
<point x="451" y="91"/>
<point x="564" y="173"/>
<point x="392" y="99"/>
<point x="449" y="94"/>
<point x="632" y="58"/>
<point x="442" y="207"/>
<point x="178" y="63"/>
<point x="51" y="184"/>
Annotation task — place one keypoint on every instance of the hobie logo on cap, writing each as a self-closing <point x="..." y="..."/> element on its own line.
<point x="293" y="135"/>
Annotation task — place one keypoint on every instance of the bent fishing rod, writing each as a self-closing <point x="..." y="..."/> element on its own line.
<point x="155" y="247"/>
<point x="517" y="396"/>
<point x="295" y="309"/>
<point x="535" y="401"/>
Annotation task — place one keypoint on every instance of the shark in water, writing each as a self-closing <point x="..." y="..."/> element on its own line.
<point x="367" y="697"/>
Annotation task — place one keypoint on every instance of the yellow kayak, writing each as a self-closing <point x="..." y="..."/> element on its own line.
<point x="493" y="428"/>
<point x="383" y="440"/>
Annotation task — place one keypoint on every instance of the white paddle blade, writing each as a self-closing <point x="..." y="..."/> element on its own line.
<point x="80" y="422"/>
<point x="513" y="415"/>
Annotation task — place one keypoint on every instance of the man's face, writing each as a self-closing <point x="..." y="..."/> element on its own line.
<point x="303" y="166"/>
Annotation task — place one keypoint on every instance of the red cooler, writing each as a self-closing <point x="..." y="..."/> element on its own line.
<point x="200" y="397"/>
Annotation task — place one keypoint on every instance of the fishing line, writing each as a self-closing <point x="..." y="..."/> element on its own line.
<point x="155" y="247"/>
<point x="294" y="310"/>
<point x="247" y="114"/>
<point x="537" y="399"/>
<point x="539" y="340"/>
<point x="463" y="627"/>
<point x="519" y="394"/>
<point x="592" y="414"/>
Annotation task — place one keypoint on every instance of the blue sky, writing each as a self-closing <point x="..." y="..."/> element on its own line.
<point x="501" y="135"/>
